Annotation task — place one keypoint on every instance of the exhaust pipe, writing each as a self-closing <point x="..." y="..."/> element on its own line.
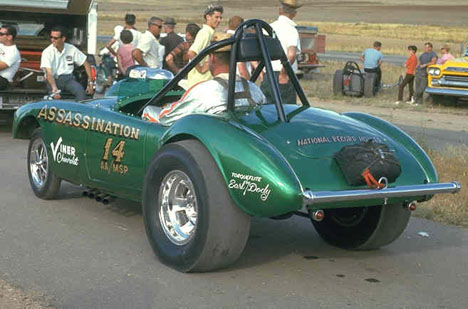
<point x="99" y="197"/>
<point x="107" y="199"/>
<point x="93" y="193"/>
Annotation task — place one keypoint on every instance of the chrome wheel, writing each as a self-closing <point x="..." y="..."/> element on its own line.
<point x="178" y="212"/>
<point x="38" y="163"/>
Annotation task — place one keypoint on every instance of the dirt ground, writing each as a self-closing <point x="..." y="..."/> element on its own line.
<point x="14" y="298"/>
<point x="428" y="117"/>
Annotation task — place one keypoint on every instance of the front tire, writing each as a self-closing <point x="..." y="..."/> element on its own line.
<point x="363" y="228"/>
<point x="444" y="100"/>
<point x="43" y="181"/>
<point x="191" y="222"/>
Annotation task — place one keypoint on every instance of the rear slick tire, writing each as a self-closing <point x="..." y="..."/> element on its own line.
<point x="370" y="88"/>
<point x="363" y="228"/>
<point x="338" y="82"/>
<point x="191" y="222"/>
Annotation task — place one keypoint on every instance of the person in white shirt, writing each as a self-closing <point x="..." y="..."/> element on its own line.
<point x="288" y="36"/>
<point x="58" y="61"/>
<point x="9" y="56"/>
<point x="209" y="97"/>
<point x="149" y="52"/>
<point x="130" y="20"/>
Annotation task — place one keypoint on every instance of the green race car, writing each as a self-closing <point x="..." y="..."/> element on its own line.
<point x="201" y="179"/>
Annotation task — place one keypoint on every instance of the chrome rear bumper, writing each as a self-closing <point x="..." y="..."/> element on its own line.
<point x="311" y="198"/>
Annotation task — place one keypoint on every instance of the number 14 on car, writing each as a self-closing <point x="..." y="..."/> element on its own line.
<point x="115" y="165"/>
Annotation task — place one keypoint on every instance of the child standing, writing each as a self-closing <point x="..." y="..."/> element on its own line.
<point x="446" y="55"/>
<point x="410" y="66"/>
<point x="124" y="54"/>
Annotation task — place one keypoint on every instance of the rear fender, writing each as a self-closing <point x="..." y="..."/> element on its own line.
<point x="258" y="178"/>
<point x="403" y="139"/>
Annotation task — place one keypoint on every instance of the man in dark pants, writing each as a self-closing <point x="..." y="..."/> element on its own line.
<point x="171" y="40"/>
<point x="288" y="36"/>
<point x="426" y="59"/>
<point x="372" y="58"/>
<point x="58" y="61"/>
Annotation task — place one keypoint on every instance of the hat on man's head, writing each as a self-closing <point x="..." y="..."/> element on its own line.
<point x="291" y="3"/>
<point x="219" y="36"/>
<point x="169" y="21"/>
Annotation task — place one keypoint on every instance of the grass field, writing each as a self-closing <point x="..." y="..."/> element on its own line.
<point x="449" y="208"/>
<point x="320" y="85"/>
<point x="350" y="25"/>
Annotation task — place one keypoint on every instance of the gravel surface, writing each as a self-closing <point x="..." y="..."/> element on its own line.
<point x="14" y="298"/>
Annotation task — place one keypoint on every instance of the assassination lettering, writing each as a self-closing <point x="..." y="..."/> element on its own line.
<point x="86" y="122"/>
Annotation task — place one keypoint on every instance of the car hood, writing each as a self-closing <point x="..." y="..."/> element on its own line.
<point x="311" y="137"/>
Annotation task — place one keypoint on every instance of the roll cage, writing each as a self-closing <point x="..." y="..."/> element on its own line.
<point x="246" y="46"/>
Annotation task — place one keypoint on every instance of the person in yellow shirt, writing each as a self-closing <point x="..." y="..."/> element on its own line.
<point x="213" y="15"/>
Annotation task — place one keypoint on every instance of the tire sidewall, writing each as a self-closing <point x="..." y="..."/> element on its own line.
<point x="183" y="257"/>
<point x="369" y="85"/>
<point x="348" y="237"/>
<point x="49" y="188"/>
<point x="338" y="82"/>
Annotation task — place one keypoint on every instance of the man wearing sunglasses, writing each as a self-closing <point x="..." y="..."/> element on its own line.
<point x="149" y="52"/>
<point x="9" y="56"/>
<point x="58" y="61"/>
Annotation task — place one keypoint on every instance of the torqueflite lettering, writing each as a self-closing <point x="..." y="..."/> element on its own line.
<point x="251" y="187"/>
<point x="64" y="117"/>
<point x="249" y="184"/>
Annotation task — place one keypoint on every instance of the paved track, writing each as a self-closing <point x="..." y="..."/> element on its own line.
<point x="82" y="254"/>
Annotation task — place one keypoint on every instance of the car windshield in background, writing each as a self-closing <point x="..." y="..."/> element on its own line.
<point x="25" y="28"/>
<point x="51" y="4"/>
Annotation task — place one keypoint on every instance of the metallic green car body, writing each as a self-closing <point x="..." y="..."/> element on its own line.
<point x="266" y="164"/>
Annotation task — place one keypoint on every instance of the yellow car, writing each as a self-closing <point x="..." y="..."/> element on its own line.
<point x="449" y="81"/>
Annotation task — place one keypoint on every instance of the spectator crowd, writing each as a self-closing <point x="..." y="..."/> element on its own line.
<point x="160" y="47"/>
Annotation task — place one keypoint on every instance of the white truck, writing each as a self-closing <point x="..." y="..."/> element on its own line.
<point x="33" y="20"/>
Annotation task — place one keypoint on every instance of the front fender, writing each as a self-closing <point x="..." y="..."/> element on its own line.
<point x="258" y="178"/>
<point x="403" y="139"/>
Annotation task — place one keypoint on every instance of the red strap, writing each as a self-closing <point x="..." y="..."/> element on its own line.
<point x="370" y="180"/>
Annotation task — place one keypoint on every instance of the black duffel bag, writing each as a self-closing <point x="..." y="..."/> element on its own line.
<point x="367" y="162"/>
